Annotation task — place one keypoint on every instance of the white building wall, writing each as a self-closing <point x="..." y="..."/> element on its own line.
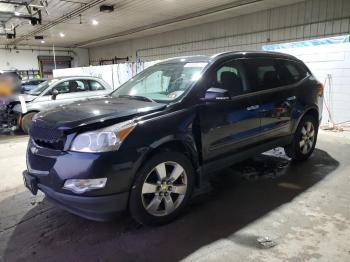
<point x="304" y="20"/>
<point x="21" y="59"/>
<point x="331" y="65"/>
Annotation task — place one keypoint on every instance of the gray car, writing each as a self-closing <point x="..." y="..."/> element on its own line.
<point x="57" y="92"/>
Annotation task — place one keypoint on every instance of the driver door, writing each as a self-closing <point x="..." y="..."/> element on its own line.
<point x="68" y="92"/>
<point x="232" y="125"/>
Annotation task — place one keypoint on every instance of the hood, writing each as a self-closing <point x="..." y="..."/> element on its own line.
<point x="27" y="98"/>
<point x="96" y="110"/>
<point x="14" y="100"/>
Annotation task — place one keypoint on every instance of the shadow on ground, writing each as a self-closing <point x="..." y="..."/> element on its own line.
<point x="6" y="134"/>
<point x="241" y="195"/>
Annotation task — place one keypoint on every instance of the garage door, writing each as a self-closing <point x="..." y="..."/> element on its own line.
<point x="47" y="64"/>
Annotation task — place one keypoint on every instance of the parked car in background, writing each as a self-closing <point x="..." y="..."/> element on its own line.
<point x="161" y="136"/>
<point x="54" y="93"/>
<point x="28" y="85"/>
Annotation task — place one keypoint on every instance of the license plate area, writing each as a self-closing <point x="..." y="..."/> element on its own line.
<point x="31" y="183"/>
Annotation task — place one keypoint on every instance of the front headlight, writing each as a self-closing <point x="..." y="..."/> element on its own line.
<point x="103" y="140"/>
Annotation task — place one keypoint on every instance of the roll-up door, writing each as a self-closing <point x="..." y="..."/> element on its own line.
<point x="47" y="64"/>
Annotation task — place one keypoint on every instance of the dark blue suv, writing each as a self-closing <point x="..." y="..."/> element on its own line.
<point x="159" y="137"/>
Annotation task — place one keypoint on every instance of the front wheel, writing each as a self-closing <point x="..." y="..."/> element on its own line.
<point x="304" y="140"/>
<point x="26" y="122"/>
<point x="162" y="189"/>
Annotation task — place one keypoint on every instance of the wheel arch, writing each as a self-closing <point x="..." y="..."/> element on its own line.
<point x="313" y="111"/>
<point x="20" y="118"/>
<point x="181" y="144"/>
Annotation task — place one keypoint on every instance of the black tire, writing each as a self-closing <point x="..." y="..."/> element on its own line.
<point x="26" y="122"/>
<point x="138" y="199"/>
<point x="295" y="150"/>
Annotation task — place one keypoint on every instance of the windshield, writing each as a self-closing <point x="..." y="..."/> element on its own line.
<point x="162" y="83"/>
<point x="41" y="88"/>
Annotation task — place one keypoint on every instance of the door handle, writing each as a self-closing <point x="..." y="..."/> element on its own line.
<point x="291" y="98"/>
<point x="251" y="108"/>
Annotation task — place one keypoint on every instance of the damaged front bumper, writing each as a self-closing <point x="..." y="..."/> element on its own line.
<point x="8" y="118"/>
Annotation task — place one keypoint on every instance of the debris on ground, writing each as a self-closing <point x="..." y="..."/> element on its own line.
<point x="266" y="242"/>
<point x="270" y="164"/>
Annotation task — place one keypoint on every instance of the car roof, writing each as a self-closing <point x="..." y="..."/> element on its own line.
<point x="35" y="79"/>
<point x="233" y="54"/>
<point x="77" y="77"/>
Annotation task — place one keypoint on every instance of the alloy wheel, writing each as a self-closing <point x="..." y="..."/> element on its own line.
<point x="164" y="188"/>
<point x="307" y="137"/>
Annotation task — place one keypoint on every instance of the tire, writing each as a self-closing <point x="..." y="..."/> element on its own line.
<point x="26" y="122"/>
<point x="159" y="194"/>
<point x="304" y="141"/>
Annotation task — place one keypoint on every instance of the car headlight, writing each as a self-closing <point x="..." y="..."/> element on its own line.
<point x="103" y="140"/>
<point x="81" y="186"/>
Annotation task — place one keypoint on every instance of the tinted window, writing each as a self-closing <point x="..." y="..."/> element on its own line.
<point x="229" y="77"/>
<point x="294" y="71"/>
<point x="95" y="86"/>
<point x="263" y="73"/>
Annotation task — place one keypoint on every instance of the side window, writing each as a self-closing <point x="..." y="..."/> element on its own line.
<point x="295" y="74"/>
<point x="296" y="71"/>
<point x="78" y="86"/>
<point x="71" y="86"/>
<point x="263" y="73"/>
<point x="63" y="87"/>
<point x="229" y="77"/>
<point x="95" y="86"/>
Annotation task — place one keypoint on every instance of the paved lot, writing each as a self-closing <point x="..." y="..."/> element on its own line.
<point x="304" y="209"/>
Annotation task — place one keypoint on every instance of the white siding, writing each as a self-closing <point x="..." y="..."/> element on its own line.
<point x="305" y="20"/>
<point x="28" y="59"/>
<point x="331" y="65"/>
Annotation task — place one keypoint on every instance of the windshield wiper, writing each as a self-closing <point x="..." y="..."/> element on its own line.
<point x="142" y="98"/>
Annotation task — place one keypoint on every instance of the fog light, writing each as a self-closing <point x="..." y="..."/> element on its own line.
<point x="80" y="186"/>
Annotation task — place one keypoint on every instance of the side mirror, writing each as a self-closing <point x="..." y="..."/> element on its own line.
<point x="216" y="94"/>
<point x="54" y="94"/>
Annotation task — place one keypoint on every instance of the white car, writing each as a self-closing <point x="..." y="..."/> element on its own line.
<point x="57" y="92"/>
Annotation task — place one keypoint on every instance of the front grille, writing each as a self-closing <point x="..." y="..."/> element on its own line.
<point x="40" y="163"/>
<point x="59" y="145"/>
<point x="46" y="136"/>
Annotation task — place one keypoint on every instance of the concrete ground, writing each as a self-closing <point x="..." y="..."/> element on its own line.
<point x="302" y="210"/>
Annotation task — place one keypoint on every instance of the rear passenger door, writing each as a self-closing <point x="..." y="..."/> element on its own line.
<point x="277" y="85"/>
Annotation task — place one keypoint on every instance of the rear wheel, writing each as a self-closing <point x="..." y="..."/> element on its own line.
<point x="304" y="140"/>
<point x="26" y="122"/>
<point x="162" y="188"/>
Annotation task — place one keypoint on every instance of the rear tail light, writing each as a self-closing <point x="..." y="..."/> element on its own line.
<point x="320" y="89"/>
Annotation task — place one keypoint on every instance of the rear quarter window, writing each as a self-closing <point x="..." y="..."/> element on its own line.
<point x="292" y="72"/>
<point x="96" y="86"/>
